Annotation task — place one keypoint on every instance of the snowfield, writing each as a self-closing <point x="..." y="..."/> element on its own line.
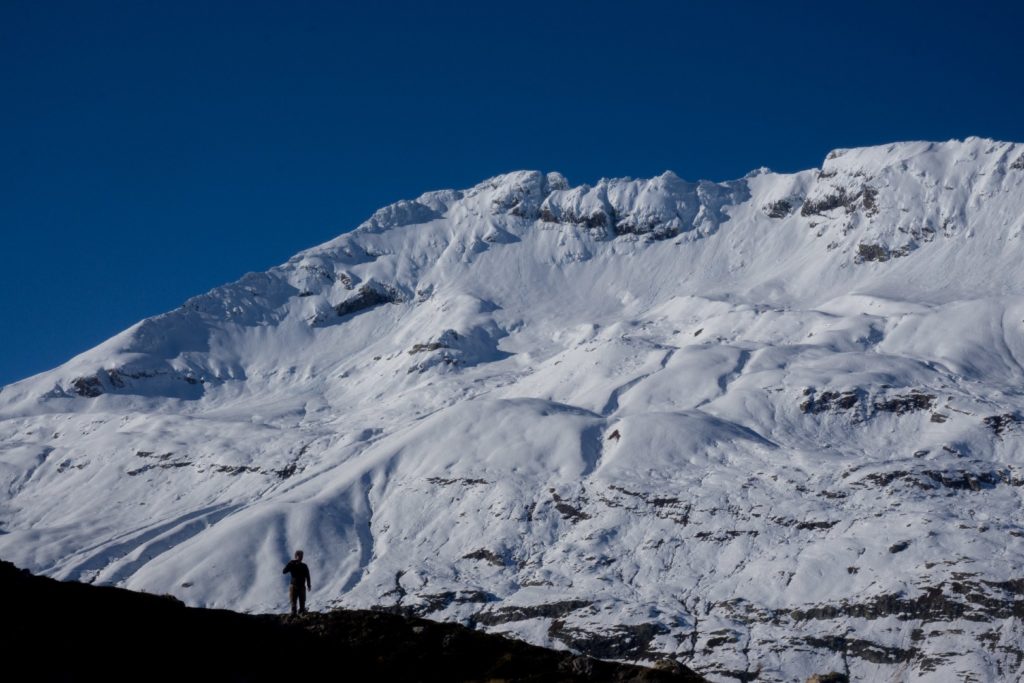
<point x="770" y="427"/>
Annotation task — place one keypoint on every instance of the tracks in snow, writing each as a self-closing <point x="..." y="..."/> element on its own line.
<point x="109" y="562"/>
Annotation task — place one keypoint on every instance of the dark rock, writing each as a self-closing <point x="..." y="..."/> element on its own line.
<point x="665" y="507"/>
<point x="872" y="252"/>
<point x="899" y="547"/>
<point x="1013" y="588"/>
<point x="834" y="401"/>
<point x="1018" y="165"/>
<point x="317" y="271"/>
<point x="631" y="642"/>
<point x="970" y="480"/>
<point x="1001" y="423"/>
<point x="162" y="466"/>
<point x="445" y="359"/>
<point x="445" y="340"/>
<point x="837" y="199"/>
<point x="88" y="387"/>
<point x="817" y="525"/>
<point x="651" y="229"/>
<point x="601" y="218"/>
<point x="738" y="675"/>
<point x="435" y="602"/>
<point x="441" y="481"/>
<point x="568" y="511"/>
<point x="959" y="599"/>
<point x="831" y="677"/>
<point x="840" y="197"/>
<point x="909" y="403"/>
<point x="287" y="471"/>
<point x="430" y="346"/>
<point x="487" y="555"/>
<point x="552" y="610"/>
<point x="719" y="638"/>
<point x="113" y="379"/>
<point x="884" y="478"/>
<point x="571" y="513"/>
<point x="778" y="209"/>
<point x="830" y="401"/>
<point x="863" y="649"/>
<point x="922" y="233"/>
<point x="368" y="296"/>
<point x="150" y="454"/>
<point x="68" y="464"/>
<point x="869" y="200"/>
<point x="236" y="469"/>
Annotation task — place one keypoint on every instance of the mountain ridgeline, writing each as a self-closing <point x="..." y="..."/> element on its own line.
<point x="768" y="428"/>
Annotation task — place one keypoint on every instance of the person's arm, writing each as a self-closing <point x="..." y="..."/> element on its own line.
<point x="287" y="567"/>
<point x="309" y="582"/>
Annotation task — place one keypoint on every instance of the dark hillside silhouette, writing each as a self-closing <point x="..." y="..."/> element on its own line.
<point x="71" y="631"/>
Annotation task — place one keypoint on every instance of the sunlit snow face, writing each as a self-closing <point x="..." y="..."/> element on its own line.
<point x="791" y="413"/>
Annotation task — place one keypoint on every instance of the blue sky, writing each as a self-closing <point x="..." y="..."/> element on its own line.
<point x="153" y="150"/>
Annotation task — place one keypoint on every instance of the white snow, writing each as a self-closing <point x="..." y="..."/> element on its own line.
<point x="716" y="409"/>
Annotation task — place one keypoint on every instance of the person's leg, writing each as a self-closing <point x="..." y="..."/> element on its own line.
<point x="302" y="599"/>
<point x="293" y="593"/>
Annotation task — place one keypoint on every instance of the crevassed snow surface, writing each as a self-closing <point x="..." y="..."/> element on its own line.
<point x="766" y="426"/>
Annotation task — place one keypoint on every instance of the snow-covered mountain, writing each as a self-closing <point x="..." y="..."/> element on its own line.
<point x="769" y="427"/>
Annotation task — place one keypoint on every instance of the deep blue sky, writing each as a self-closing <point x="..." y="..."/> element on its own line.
<point x="153" y="150"/>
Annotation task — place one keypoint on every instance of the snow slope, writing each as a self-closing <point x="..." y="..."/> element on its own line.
<point x="765" y="427"/>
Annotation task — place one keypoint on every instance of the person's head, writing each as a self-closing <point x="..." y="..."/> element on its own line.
<point x="298" y="554"/>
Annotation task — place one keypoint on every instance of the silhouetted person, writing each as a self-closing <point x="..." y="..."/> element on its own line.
<point x="300" y="582"/>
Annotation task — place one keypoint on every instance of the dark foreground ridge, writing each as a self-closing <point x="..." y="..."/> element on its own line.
<point x="84" y="632"/>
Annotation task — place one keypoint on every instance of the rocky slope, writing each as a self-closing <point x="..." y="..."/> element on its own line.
<point x="113" y="634"/>
<point x="769" y="428"/>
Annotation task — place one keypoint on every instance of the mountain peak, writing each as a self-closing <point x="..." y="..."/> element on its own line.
<point x="921" y="155"/>
<point x="623" y="418"/>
